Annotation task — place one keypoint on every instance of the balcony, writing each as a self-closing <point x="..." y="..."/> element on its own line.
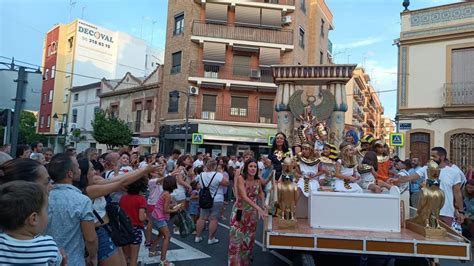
<point x="280" y="38"/>
<point x="287" y="3"/>
<point x="459" y="97"/>
<point x="231" y="75"/>
<point x="233" y="114"/>
<point x="358" y="96"/>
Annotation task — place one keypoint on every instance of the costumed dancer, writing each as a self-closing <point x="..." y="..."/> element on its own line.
<point x="280" y="150"/>
<point x="364" y="146"/>
<point x="346" y="170"/>
<point x="327" y="166"/>
<point x="308" y="169"/>
<point x="368" y="171"/>
<point x="384" y="163"/>
<point x="322" y="133"/>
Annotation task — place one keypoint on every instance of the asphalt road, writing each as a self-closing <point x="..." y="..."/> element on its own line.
<point x="184" y="252"/>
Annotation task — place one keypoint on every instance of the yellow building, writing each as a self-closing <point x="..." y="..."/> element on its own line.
<point x="436" y="85"/>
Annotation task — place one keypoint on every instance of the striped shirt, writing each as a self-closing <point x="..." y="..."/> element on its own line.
<point x="41" y="250"/>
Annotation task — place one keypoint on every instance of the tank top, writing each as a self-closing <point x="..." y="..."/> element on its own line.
<point x="159" y="212"/>
<point x="99" y="206"/>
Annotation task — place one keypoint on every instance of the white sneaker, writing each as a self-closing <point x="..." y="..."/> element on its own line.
<point x="197" y="239"/>
<point x="212" y="241"/>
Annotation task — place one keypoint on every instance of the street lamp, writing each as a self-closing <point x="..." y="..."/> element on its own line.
<point x="176" y="94"/>
<point x="63" y="124"/>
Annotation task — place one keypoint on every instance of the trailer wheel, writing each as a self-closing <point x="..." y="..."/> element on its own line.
<point x="305" y="259"/>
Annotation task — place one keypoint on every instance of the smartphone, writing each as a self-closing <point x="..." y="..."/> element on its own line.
<point x="238" y="216"/>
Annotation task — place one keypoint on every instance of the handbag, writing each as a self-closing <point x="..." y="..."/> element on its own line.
<point x="119" y="227"/>
<point x="185" y="223"/>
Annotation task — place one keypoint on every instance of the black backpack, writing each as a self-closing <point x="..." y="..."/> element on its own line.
<point x="206" y="200"/>
<point x="119" y="227"/>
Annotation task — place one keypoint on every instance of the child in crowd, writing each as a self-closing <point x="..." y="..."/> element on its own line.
<point x="161" y="217"/>
<point x="155" y="188"/>
<point x="124" y="163"/>
<point x="134" y="205"/>
<point x="346" y="170"/>
<point x="194" y="201"/>
<point x="469" y="209"/>
<point x="23" y="217"/>
<point x="368" y="171"/>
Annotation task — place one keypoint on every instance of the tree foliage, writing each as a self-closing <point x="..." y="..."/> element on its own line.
<point x="110" y="130"/>
<point x="27" y="133"/>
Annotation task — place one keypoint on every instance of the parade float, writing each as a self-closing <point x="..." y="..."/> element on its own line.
<point x="321" y="220"/>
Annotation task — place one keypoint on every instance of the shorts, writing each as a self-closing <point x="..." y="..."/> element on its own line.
<point x="212" y="213"/>
<point x="137" y="234"/>
<point x="159" y="224"/>
<point x="106" y="248"/>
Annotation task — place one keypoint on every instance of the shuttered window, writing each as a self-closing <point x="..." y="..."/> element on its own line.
<point x="176" y="62"/>
<point x="271" y="17"/>
<point x="216" y="12"/>
<point x="265" y="110"/>
<point x="269" y="56"/>
<point x="209" y="103"/>
<point x="214" y="52"/>
<point x="239" y="106"/>
<point x="247" y="15"/>
<point x="462" y="67"/>
<point x="241" y="65"/>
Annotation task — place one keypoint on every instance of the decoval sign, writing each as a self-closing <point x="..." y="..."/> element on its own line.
<point x="91" y="34"/>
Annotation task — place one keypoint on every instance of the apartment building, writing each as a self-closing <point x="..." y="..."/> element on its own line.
<point x="217" y="58"/>
<point x="364" y="109"/>
<point x="436" y="86"/>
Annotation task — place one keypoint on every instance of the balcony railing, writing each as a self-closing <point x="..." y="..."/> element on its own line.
<point x="459" y="94"/>
<point x="231" y="72"/>
<point x="247" y="33"/>
<point x="277" y="2"/>
<point x="233" y="114"/>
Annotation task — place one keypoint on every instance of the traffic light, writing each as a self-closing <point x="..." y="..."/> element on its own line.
<point x="4" y="117"/>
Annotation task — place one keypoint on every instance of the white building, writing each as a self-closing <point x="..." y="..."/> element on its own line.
<point x="436" y="82"/>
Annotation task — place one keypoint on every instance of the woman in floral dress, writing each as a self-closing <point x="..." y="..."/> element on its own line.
<point x="245" y="214"/>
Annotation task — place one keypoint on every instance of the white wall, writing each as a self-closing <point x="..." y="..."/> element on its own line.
<point x="85" y="108"/>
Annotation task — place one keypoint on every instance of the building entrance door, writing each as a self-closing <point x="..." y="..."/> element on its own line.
<point x="420" y="147"/>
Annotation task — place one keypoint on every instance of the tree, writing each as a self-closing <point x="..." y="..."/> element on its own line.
<point x="110" y="130"/>
<point x="27" y="133"/>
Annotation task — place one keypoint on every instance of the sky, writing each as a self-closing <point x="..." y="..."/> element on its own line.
<point x="364" y="30"/>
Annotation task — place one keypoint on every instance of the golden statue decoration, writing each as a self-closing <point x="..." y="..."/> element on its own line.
<point x="426" y="222"/>
<point x="287" y="196"/>
<point x="310" y="130"/>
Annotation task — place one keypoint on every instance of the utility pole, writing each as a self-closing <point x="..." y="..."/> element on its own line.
<point x="186" y="124"/>
<point x="19" y="100"/>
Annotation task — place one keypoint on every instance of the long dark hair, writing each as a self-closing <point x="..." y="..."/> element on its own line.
<point x="370" y="158"/>
<point x="286" y="145"/>
<point x="19" y="169"/>
<point x="246" y="168"/>
<point x="83" y="182"/>
<point x="181" y="159"/>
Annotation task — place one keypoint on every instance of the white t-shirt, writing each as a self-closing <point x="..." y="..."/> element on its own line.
<point x="198" y="163"/>
<point x="261" y="166"/>
<point x="220" y="194"/>
<point x="448" y="178"/>
<point x="239" y="164"/>
<point x="461" y="174"/>
<point x="142" y="164"/>
<point x="125" y="170"/>
<point x="205" y="178"/>
<point x="404" y="186"/>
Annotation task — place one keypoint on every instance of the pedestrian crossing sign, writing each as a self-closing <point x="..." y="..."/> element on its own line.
<point x="198" y="138"/>
<point x="270" y="140"/>
<point x="397" y="140"/>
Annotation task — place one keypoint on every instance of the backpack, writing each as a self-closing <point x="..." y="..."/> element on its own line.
<point x="119" y="227"/>
<point x="206" y="200"/>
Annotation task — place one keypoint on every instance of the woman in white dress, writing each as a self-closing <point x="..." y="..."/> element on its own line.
<point x="346" y="170"/>
<point x="308" y="169"/>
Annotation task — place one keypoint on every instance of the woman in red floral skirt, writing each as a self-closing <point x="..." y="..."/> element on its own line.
<point x="245" y="214"/>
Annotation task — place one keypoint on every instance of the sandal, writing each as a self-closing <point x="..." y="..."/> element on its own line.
<point x="166" y="263"/>
<point x="154" y="253"/>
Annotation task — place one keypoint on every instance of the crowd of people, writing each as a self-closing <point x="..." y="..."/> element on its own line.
<point x="57" y="208"/>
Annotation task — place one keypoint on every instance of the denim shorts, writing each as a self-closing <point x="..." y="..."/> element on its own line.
<point x="213" y="213"/>
<point x="107" y="248"/>
<point x="159" y="224"/>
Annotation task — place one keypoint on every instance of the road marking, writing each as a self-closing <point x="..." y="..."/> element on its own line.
<point x="273" y="252"/>
<point x="186" y="252"/>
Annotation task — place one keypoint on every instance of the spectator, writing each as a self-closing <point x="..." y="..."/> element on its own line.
<point x="38" y="157"/>
<point x="4" y="157"/>
<point x="352" y="138"/>
<point x="125" y="163"/>
<point x="212" y="179"/>
<point x="461" y="174"/>
<point x="23" y="218"/>
<point x="26" y="170"/>
<point x="147" y="159"/>
<point x="415" y="185"/>
<point x="171" y="164"/>
<point x="111" y="165"/>
<point x="469" y="209"/>
<point x="71" y="150"/>
<point x="91" y="154"/>
<point x="7" y="148"/>
<point x="261" y="163"/>
<point x="182" y="178"/>
<point x="71" y="221"/>
<point x="37" y="147"/>
<point x="450" y="184"/>
<point x="23" y="151"/>
<point x="232" y="162"/>
<point x="48" y="154"/>
<point x="245" y="214"/>
<point x="469" y="173"/>
<point x="199" y="161"/>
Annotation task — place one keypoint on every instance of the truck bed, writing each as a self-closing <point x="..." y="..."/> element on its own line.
<point x="405" y="243"/>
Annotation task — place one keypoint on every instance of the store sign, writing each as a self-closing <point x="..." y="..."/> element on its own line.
<point x="198" y="138"/>
<point x="92" y="35"/>
<point x="397" y="140"/>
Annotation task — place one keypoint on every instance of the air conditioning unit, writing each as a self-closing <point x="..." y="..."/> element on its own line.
<point x="286" y="20"/>
<point x="193" y="90"/>
<point x="255" y="73"/>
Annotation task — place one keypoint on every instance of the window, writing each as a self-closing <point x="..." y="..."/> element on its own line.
<point x="74" y="115"/>
<point x="42" y="122"/>
<point x="48" y="121"/>
<point x="138" y="116"/>
<point x="53" y="71"/>
<point x="265" y="110"/>
<point x="46" y="74"/>
<point x="238" y="106"/>
<point x="45" y="98"/>
<point x="209" y="107"/>
<point x="303" y="6"/>
<point x="71" y="42"/>
<point x="321" y="57"/>
<point x="53" y="47"/>
<point x="176" y="63"/>
<point x="460" y="91"/>
<point x="97" y="92"/>
<point x="149" y="110"/>
<point x="173" y="102"/>
<point x="50" y="96"/>
<point x="76" y="97"/>
<point x="241" y="65"/>
<point x="178" y="24"/>
<point x="66" y="96"/>
<point x="114" y="110"/>
<point x="322" y="27"/>
<point x="301" y="38"/>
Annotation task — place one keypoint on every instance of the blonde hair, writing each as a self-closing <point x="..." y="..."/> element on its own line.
<point x="347" y="160"/>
